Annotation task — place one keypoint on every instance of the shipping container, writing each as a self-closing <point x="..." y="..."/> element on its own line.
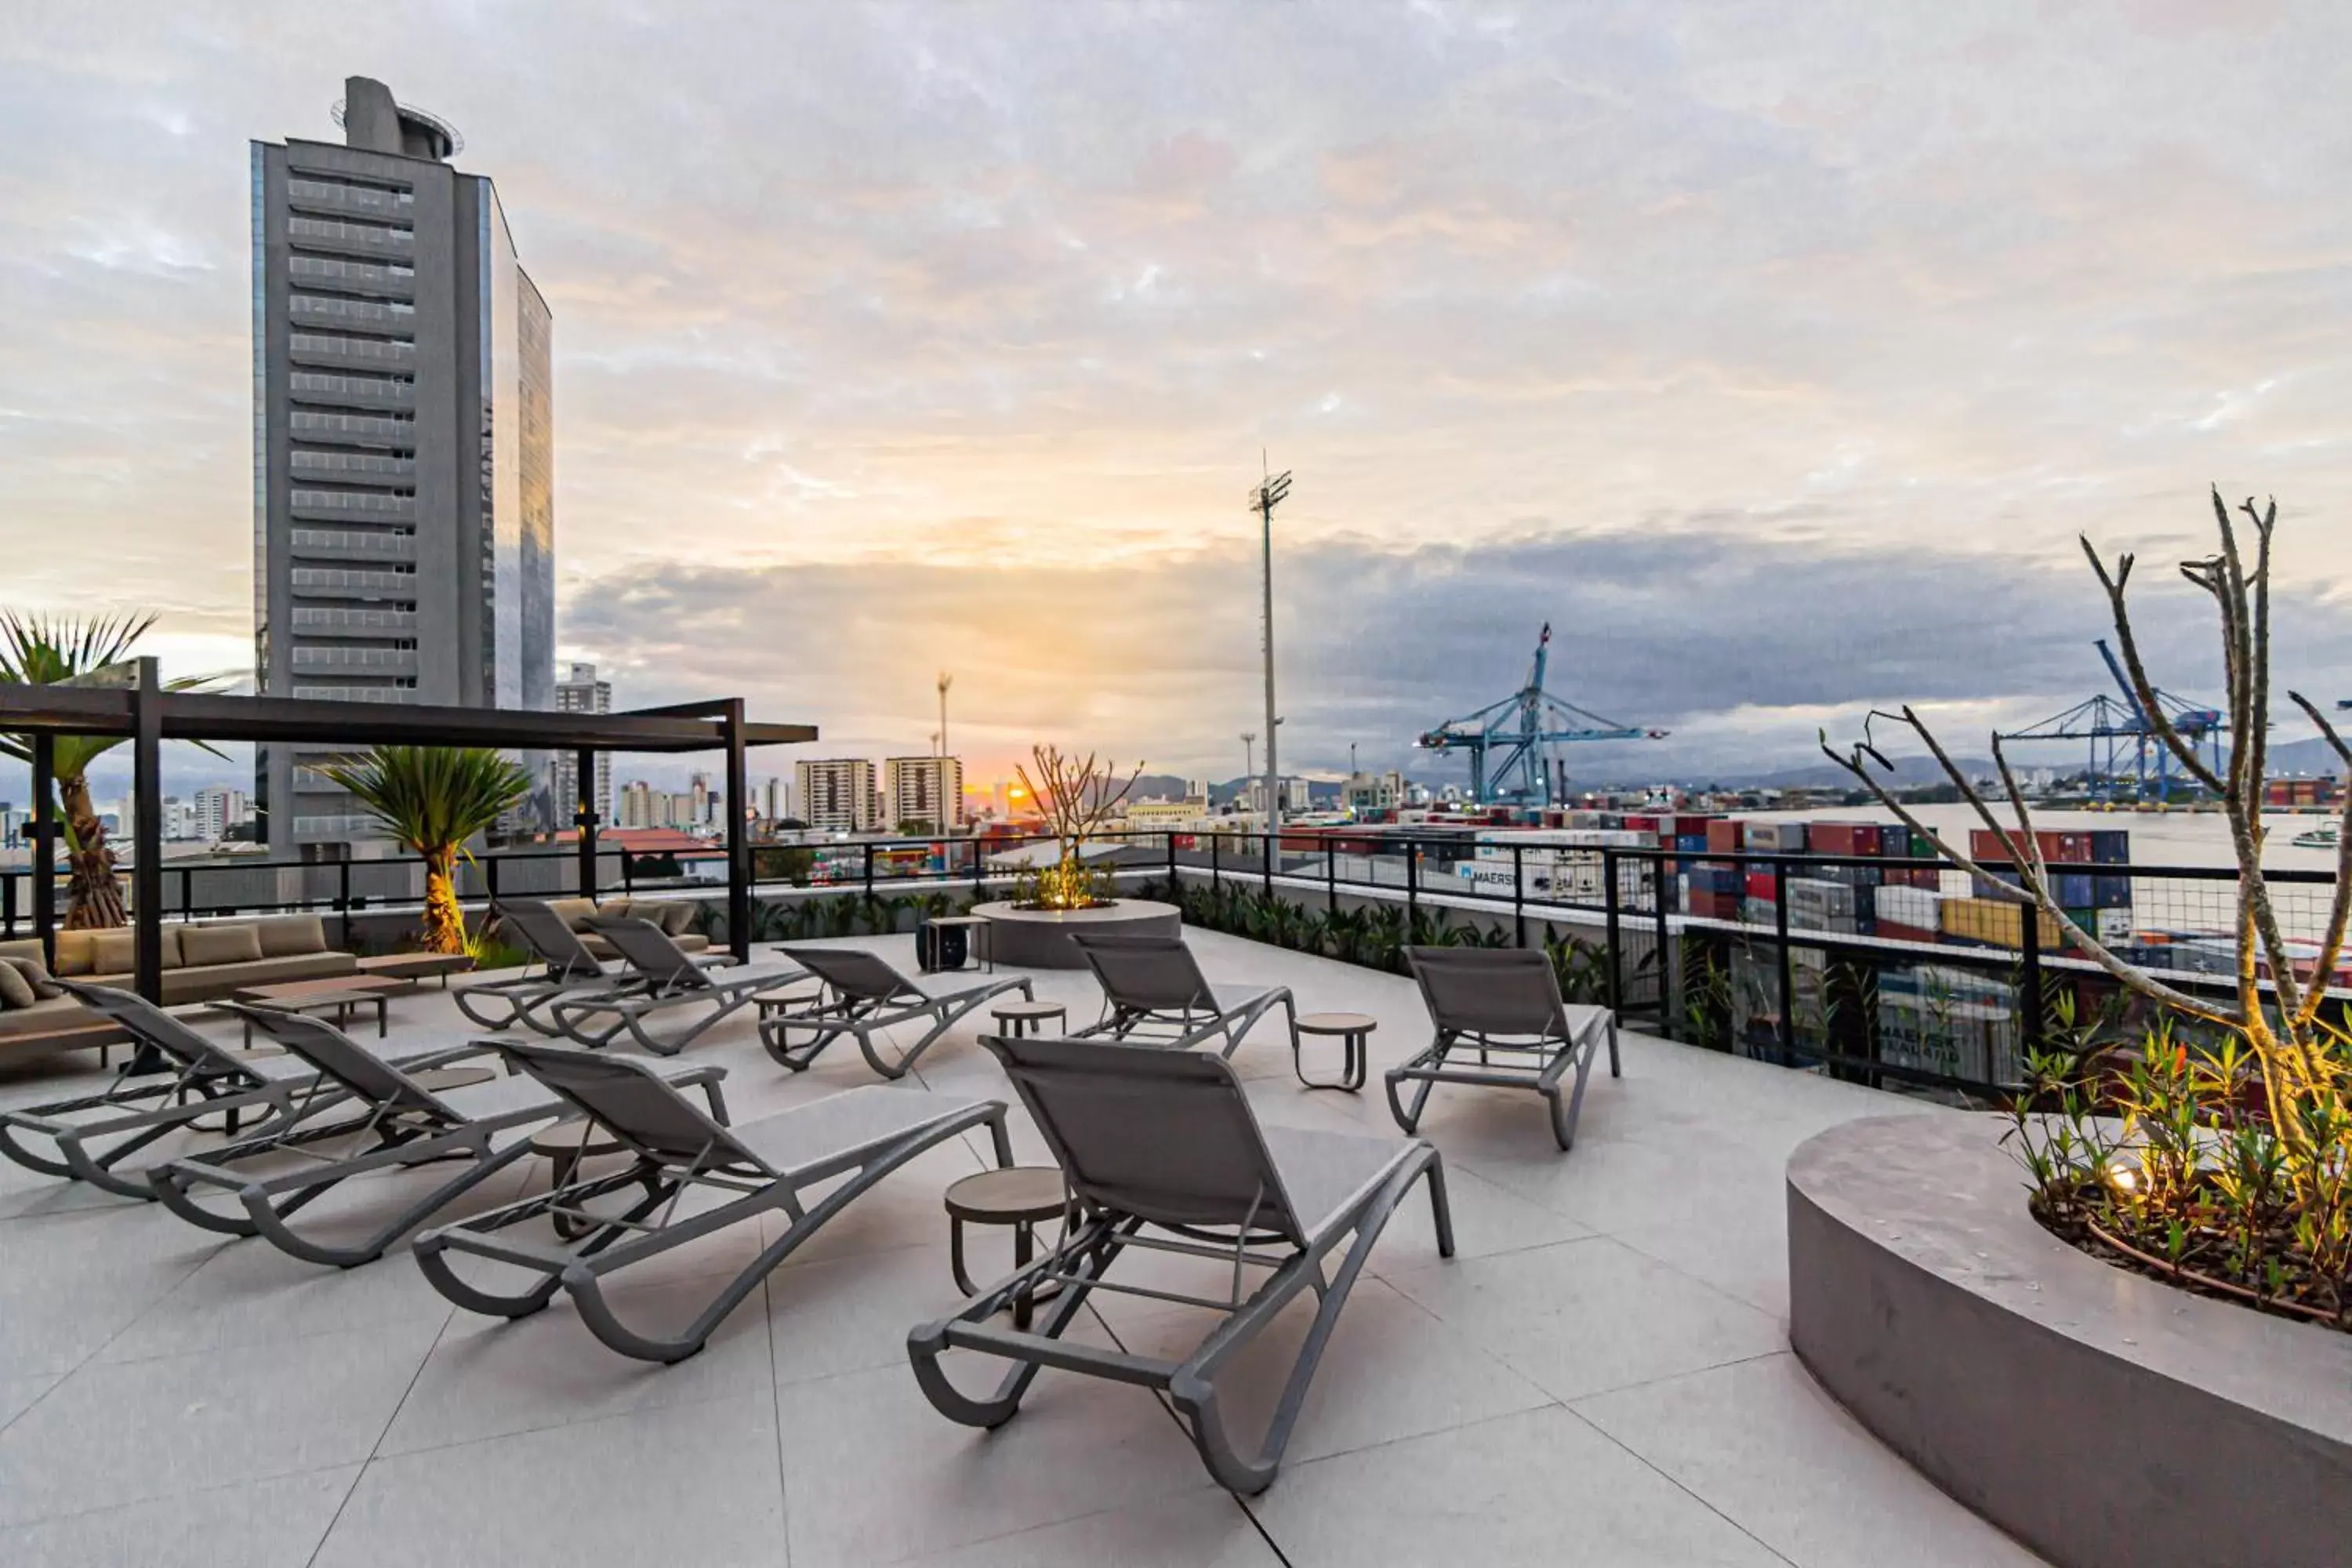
<point x="1763" y="884"/>
<point x="1915" y="906"/>
<point x="1725" y="835"/>
<point x="1894" y="931"/>
<point x="1996" y="921"/>
<point x="1691" y="843"/>
<point x="1776" y="838"/>
<point x="2110" y="846"/>
<point x="2110" y="892"/>
<point x="1842" y="838"/>
<point x="2072" y="890"/>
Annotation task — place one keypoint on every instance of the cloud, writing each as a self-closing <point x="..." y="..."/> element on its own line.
<point x="957" y="332"/>
<point x="1740" y="645"/>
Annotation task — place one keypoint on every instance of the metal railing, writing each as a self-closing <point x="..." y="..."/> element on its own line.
<point x="1955" y="1015"/>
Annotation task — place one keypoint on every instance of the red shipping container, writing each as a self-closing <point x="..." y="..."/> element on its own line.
<point x="1763" y="884"/>
<point x="1893" y="932"/>
<point x="1638" y="825"/>
<point x="2064" y="848"/>
<point x="1725" y="835"/>
<point x="1843" y="838"/>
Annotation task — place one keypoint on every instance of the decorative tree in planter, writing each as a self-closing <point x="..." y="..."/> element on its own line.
<point x="1077" y="796"/>
<point x="433" y="799"/>
<point x="2229" y="1170"/>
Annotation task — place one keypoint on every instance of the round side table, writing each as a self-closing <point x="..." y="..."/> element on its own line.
<point x="1022" y="1196"/>
<point x="1016" y="1019"/>
<point x="1351" y="1029"/>
<point x="565" y="1145"/>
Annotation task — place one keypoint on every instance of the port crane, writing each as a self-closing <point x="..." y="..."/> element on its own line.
<point x="1507" y="741"/>
<point x="2126" y="760"/>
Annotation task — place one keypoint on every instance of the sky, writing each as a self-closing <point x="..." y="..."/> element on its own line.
<point x="1775" y="354"/>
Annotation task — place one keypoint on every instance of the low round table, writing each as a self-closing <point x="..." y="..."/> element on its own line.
<point x="1016" y="1019"/>
<point x="1022" y="1196"/>
<point x="1351" y="1029"/>
<point x="565" y="1144"/>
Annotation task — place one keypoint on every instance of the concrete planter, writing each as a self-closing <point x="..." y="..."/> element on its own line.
<point x="2100" y="1417"/>
<point x="1040" y="939"/>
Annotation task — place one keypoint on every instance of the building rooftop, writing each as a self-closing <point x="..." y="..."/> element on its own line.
<point x="1601" y="1375"/>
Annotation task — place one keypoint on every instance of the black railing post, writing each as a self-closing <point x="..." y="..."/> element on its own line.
<point x="490" y="877"/>
<point x="1616" y="941"/>
<point x="584" y="815"/>
<point x="2028" y="980"/>
<point x="1331" y="876"/>
<point x="1172" y="865"/>
<point x="628" y="873"/>
<point x="868" y="849"/>
<point x="1273" y="847"/>
<point x="1412" y="892"/>
<point x="738" y="833"/>
<point x="1658" y="899"/>
<point x="343" y="902"/>
<point x="187" y="893"/>
<point x="1216" y="874"/>
<point x="1787" y="987"/>
<point x="1519" y="895"/>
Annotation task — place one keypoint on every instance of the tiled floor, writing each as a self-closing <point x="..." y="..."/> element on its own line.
<point x="1601" y="1375"/>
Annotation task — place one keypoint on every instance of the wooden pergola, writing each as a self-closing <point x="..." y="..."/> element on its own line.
<point x="139" y="711"/>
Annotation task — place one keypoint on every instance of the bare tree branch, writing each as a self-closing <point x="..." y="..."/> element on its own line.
<point x="2339" y="909"/>
<point x="2036" y="897"/>
<point x="2143" y="688"/>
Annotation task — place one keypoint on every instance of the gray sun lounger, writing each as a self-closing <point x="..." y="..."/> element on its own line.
<point x="1155" y="995"/>
<point x="566" y="969"/>
<point x="862" y="996"/>
<point x="1503" y="1005"/>
<point x="663" y="979"/>
<point x="92" y="1134"/>
<point x="274" y="1175"/>
<point x="766" y="1164"/>
<point x="1162" y="1152"/>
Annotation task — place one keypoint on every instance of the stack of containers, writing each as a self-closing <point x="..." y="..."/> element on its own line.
<point x="1816" y="903"/>
<point x="1908" y="913"/>
<point x="2068" y="855"/>
<point x="1950" y="1021"/>
<point x="1851" y="838"/>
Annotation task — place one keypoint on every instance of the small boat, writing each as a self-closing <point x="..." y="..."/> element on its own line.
<point x="2322" y="837"/>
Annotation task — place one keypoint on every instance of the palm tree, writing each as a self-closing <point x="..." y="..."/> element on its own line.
<point x="43" y="652"/>
<point x="433" y="799"/>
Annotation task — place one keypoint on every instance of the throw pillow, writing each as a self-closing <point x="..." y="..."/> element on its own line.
<point x="203" y="945"/>
<point x="37" y="975"/>
<point x="15" y="991"/>
<point x="677" y="919"/>
<point x="287" y="935"/>
<point x="114" y="952"/>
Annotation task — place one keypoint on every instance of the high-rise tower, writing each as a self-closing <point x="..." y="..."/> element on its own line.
<point x="403" y="442"/>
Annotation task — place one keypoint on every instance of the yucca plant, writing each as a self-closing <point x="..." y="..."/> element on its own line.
<point x="434" y="800"/>
<point x="43" y="652"/>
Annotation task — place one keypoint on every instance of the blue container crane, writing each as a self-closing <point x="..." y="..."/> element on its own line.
<point x="1507" y="741"/>
<point x="2126" y="760"/>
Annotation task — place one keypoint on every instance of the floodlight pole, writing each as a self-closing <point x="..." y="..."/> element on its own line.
<point x="1272" y="491"/>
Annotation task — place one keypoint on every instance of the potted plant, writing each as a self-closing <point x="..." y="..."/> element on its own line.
<point x="434" y="800"/>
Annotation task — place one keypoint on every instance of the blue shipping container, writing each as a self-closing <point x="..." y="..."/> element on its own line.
<point x="2110" y="846"/>
<point x="2110" y="892"/>
<point x="2074" y="889"/>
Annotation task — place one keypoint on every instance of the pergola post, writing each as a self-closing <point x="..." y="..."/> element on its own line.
<point x="584" y="815"/>
<point x="44" y="847"/>
<point x="739" y="843"/>
<point x="147" y="829"/>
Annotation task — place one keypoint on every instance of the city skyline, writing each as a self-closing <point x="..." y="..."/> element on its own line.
<point x="1776" y="359"/>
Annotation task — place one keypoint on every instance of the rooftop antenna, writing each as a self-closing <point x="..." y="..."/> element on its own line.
<point x="1272" y="491"/>
<point x="1249" y="767"/>
<point x="946" y="680"/>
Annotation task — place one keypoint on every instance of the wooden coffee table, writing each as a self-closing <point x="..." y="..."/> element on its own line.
<point x="338" y="994"/>
<point x="417" y="967"/>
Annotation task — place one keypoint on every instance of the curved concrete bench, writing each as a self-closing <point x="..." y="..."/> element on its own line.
<point x="2102" y="1418"/>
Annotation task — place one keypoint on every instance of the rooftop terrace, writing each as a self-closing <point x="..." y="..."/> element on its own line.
<point x="1601" y="1375"/>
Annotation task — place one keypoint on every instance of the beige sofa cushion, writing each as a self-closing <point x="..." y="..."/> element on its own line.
<point x="35" y="973"/>
<point x="677" y="918"/>
<point x="16" y="990"/>
<point x="75" y="951"/>
<point x="285" y="936"/>
<point x="45" y="1017"/>
<point x="619" y="908"/>
<point x="203" y="946"/>
<point x="23" y="947"/>
<point x="573" y="913"/>
<point x="114" y="952"/>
